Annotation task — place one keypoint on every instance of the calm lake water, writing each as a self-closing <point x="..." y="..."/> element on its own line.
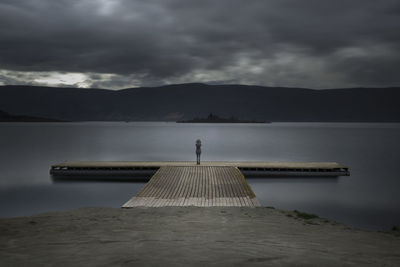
<point x="369" y="198"/>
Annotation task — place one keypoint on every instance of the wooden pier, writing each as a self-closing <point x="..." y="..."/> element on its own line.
<point x="201" y="186"/>
<point x="187" y="184"/>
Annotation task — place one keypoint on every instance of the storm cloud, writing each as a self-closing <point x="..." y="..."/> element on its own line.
<point x="123" y="43"/>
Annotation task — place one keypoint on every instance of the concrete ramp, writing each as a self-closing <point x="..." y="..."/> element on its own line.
<point x="200" y="186"/>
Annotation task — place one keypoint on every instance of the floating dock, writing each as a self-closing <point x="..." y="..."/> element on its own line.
<point x="200" y="186"/>
<point x="131" y="170"/>
<point x="188" y="184"/>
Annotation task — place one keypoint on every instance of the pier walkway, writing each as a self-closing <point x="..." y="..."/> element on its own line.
<point x="200" y="186"/>
<point x="187" y="184"/>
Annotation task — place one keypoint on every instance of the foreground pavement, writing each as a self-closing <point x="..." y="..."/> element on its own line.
<point x="190" y="236"/>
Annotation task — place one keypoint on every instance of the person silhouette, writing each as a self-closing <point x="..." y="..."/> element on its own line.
<point x="198" y="150"/>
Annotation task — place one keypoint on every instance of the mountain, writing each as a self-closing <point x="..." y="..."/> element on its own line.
<point x="6" y="117"/>
<point x="188" y="101"/>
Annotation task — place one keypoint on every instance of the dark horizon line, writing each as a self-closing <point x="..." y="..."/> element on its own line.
<point x="195" y="83"/>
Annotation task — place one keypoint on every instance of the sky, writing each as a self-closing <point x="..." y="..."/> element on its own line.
<point x="118" y="44"/>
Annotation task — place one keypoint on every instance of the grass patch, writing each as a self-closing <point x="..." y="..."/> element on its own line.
<point x="396" y="228"/>
<point x="305" y="216"/>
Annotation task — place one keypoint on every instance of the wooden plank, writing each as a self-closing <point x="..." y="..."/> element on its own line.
<point x="180" y="187"/>
<point x="232" y="193"/>
<point x="188" y="181"/>
<point x="212" y="188"/>
<point x="224" y="185"/>
<point x="215" y="197"/>
<point x="229" y="180"/>
<point x="201" y="186"/>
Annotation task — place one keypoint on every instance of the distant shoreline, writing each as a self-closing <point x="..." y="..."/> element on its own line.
<point x="188" y="101"/>
<point x="150" y="121"/>
<point x="205" y="121"/>
<point x="212" y="118"/>
<point x="7" y="117"/>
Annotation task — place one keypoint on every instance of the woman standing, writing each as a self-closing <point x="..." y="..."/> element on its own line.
<point x="198" y="150"/>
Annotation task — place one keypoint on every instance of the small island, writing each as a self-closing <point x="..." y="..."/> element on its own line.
<point x="212" y="118"/>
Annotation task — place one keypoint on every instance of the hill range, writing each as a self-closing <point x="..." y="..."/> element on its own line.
<point x="188" y="101"/>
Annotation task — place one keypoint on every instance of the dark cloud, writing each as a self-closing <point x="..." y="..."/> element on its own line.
<point x="308" y="43"/>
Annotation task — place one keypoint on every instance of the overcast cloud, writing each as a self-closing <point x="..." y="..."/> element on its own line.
<point x="124" y="43"/>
